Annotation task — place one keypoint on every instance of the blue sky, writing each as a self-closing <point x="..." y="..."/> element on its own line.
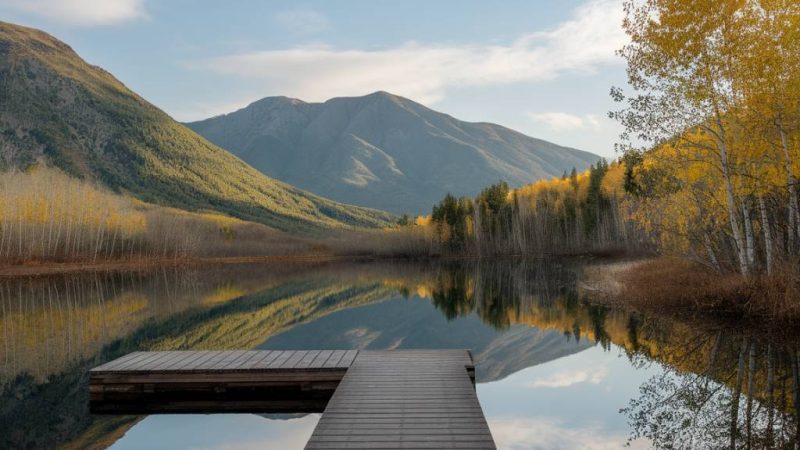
<point x="541" y="67"/>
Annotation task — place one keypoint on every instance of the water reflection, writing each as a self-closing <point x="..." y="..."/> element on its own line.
<point x="536" y="337"/>
<point x="721" y="392"/>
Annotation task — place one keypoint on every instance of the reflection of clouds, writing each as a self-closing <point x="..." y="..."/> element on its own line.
<point x="361" y="337"/>
<point x="294" y="434"/>
<point x="570" y="377"/>
<point x="549" y="433"/>
<point x="219" y="432"/>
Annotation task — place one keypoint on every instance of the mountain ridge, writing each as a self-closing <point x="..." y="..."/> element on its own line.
<point x="382" y="150"/>
<point x="59" y="110"/>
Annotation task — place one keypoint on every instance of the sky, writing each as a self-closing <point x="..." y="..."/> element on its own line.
<point x="542" y="67"/>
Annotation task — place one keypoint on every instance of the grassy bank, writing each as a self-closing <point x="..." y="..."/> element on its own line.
<point x="677" y="287"/>
<point x="49" y="217"/>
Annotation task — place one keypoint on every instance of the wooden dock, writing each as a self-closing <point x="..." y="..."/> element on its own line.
<point x="218" y="381"/>
<point x="369" y="399"/>
<point x="405" y="399"/>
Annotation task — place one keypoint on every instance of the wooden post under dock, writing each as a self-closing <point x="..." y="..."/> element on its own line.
<point x="368" y="399"/>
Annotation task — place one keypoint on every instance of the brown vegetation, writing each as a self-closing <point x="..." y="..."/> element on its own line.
<point x="676" y="286"/>
<point x="46" y="215"/>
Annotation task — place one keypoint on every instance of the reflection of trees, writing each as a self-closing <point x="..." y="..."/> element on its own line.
<point x="499" y="293"/>
<point x="720" y="389"/>
<point x="744" y="397"/>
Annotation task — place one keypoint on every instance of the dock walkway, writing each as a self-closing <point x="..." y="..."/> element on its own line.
<point x="368" y="399"/>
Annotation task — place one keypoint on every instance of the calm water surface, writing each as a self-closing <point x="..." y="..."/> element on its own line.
<point x="554" y="370"/>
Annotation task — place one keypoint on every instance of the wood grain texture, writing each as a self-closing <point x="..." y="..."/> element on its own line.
<point x="404" y="399"/>
<point x="227" y="361"/>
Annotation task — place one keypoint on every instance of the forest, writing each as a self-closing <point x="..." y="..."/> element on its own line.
<point x="709" y="154"/>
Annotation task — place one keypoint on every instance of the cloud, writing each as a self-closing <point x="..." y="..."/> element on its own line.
<point x="80" y="12"/>
<point x="425" y="72"/>
<point x="303" y="21"/>
<point x="560" y="121"/>
<point x="549" y="433"/>
<point x="570" y="378"/>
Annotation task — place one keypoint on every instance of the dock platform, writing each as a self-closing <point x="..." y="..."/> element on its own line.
<point x="368" y="399"/>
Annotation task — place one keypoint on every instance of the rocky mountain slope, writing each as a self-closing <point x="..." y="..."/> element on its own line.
<point x="382" y="150"/>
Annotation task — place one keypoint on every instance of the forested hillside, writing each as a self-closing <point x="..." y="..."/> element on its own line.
<point x="56" y="109"/>
<point x="710" y="161"/>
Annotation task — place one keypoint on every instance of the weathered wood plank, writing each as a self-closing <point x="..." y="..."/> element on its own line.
<point x="404" y="399"/>
<point x="123" y="360"/>
<point x="307" y="359"/>
<point x="293" y="360"/>
<point x="333" y="361"/>
<point x="321" y="358"/>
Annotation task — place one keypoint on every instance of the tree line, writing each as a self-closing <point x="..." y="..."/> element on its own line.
<point x="578" y="212"/>
<point x="709" y="155"/>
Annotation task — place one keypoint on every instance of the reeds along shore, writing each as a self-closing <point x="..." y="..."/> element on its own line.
<point x="46" y="215"/>
<point x="674" y="286"/>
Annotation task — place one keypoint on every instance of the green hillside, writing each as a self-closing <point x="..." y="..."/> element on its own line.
<point x="56" y="109"/>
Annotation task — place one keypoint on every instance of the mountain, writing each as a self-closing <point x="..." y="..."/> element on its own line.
<point x="402" y="323"/>
<point x="58" y="110"/>
<point x="383" y="151"/>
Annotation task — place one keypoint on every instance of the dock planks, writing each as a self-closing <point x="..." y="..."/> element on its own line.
<point x="409" y="399"/>
<point x="269" y="381"/>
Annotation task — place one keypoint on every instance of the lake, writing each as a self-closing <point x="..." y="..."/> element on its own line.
<point x="554" y="370"/>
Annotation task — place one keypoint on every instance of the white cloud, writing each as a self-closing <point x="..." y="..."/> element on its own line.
<point x="569" y="378"/>
<point x="80" y="12"/>
<point x="303" y="21"/>
<point x="425" y="72"/>
<point x="560" y="121"/>
<point x="549" y="433"/>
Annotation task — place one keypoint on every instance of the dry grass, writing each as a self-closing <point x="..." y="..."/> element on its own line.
<point x="47" y="216"/>
<point x="400" y="242"/>
<point x="677" y="286"/>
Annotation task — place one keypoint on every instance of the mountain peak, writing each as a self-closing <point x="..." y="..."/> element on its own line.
<point x="385" y="151"/>
<point x="58" y="110"/>
<point x="278" y="99"/>
<point x="385" y="94"/>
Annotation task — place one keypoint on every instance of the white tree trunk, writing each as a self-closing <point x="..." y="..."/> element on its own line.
<point x="794" y="206"/>
<point x="748" y="233"/>
<point x="712" y="255"/>
<point x="768" y="244"/>
<point x="733" y="211"/>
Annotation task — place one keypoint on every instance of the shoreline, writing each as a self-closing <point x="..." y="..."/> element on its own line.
<point x="678" y="289"/>
<point x="48" y="268"/>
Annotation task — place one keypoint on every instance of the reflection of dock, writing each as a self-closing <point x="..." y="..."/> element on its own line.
<point x="369" y="399"/>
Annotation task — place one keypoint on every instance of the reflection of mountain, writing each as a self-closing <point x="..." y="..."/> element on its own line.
<point x="416" y="323"/>
<point x="52" y="407"/>
<point x="512" y="316"/>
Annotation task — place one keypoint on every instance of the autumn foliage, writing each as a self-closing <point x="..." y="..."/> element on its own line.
<point x="46" y="215"/>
